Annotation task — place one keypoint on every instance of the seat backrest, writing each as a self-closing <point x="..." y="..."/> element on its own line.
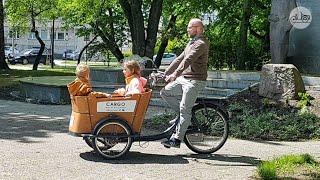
<point x="79" y="104"/>
<point x="141" y="109"/>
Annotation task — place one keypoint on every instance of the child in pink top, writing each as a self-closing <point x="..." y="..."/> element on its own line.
<point x="134" y="82"/>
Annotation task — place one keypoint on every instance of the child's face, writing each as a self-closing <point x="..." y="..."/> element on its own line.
<point x="127" y="72"/>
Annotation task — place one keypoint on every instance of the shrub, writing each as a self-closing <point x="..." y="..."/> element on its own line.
<point x="272" y="123"/>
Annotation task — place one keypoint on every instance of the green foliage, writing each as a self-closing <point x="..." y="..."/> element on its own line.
<point x="271" y="123"/>
<point x="127" y="53"/>
<point x="289" y="166"/>
<point x="177" y="45"/>
<point x="19" y="12"/>
<point x="224" y="35"/>
<point x="265" y="102"/>
<point x="304" y="99"/>
<point x="161" y="120"/>
<point x="267" y="170"/>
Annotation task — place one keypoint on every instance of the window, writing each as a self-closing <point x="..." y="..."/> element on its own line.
<point x="87" y="37"/>
<point x="60" y="36"/>
<point x="44" y="34"/>
<point x="32" y="35"/>
<point x="13" y="34"/>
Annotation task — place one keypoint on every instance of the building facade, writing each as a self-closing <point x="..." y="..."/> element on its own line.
<point x="63" y="39"/>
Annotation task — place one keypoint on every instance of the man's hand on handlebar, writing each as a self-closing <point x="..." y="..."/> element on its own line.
<point x="170" y="78"/>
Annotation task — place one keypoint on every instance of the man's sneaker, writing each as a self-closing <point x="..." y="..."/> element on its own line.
<point x="172" y="143"/>
<point x="174" y="120"/>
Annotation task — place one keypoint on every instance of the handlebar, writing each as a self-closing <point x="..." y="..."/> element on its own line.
<point x="156" y="78"/>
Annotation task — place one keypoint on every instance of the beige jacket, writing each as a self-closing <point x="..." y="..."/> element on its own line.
<point x="192" y="63"/>
<point x="82" y="87"/>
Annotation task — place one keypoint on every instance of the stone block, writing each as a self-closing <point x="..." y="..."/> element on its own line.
<point x="280" y="81"/>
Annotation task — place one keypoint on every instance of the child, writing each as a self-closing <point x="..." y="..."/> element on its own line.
<point x="81" y="86"/>
<point x="134" y="82"/>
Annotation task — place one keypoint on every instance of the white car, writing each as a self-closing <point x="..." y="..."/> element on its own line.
<point x="9" y="51"/>
<point x="167" y="58"/>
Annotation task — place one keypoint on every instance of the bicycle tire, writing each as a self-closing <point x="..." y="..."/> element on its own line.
<point x="114" y="133"/>
<point x="206" y="119"/>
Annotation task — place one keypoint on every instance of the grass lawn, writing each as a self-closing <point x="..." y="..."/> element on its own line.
<point x="11" y="77"/>
<point x="49" y="80"/>
<point x="290" y="167"/>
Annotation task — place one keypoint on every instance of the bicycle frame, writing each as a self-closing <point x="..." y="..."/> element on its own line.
<point x="138" y="137"/>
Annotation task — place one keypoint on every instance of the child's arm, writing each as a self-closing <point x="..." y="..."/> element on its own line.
<point x="120" y="91"/>
<point x="100" y="94"/>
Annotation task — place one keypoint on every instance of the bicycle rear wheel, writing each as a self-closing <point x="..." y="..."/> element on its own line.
<point x="209" y="129"/>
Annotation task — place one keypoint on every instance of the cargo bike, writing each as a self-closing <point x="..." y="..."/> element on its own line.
<point x="110" y="125"/>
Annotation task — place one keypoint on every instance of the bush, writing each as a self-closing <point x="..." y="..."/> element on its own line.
<point x="272" y="123"/>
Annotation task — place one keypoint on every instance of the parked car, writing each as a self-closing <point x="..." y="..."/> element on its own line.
<point x="8" y="50"/>
<point x="167" y="58"/>
<point x="68" y="54"/>
<point x="28" y="56"/>
<point x="72" y="55"/>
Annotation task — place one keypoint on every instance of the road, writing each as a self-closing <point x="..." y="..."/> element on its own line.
<point x="35" y="144"/>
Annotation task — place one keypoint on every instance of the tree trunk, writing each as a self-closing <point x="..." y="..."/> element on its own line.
<point x="127" y="11"/>
<point x="153" y="23"/>
<point x="246" y="14"/>
<point x="139" y="38"/>
<point x="3" y="64"/>
<point x="111" y="45"/>
<point x="164" y="40"/>
<point x="143" y="41"/>
<point x="84" y="48"/>
<point x="42" y="45"/>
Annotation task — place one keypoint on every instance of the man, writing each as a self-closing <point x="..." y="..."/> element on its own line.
<point x="187" y="76"/>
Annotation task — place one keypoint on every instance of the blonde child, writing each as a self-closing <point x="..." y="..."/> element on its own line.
<point x="134" y="82"/>
<point x="81" y="86"/>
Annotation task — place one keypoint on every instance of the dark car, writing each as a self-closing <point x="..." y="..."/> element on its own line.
<point x="29" y="56"/>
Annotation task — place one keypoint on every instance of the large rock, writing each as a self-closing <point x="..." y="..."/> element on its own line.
<point x="280" y="81"/>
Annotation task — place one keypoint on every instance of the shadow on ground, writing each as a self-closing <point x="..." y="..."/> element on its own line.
<point x="224" y="159"/>
<point x="133" y="157"/>
<point x="144" y="158"/>
<point x="23" y="127"/>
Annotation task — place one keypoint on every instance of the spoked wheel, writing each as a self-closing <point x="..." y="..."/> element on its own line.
<point x="25" y="61"/>
<point x="209" y="129"/>
<point x="88" y="140"/>
<point x="112" y="139"/>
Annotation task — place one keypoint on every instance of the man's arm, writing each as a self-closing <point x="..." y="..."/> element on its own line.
<point x="196" y="50"/>
<point x="175" y="63"/>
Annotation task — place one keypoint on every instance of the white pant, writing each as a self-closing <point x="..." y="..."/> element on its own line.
<point x="181" y="95"/>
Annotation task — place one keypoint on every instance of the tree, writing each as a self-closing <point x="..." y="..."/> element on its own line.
<point x="3" y="64"/>
<point x="21" y="12"/>
<point x="243" y="30"/>
<point x="143" y="36"/>
<point x="103" y="19"/>
<point x="176" y="15"/>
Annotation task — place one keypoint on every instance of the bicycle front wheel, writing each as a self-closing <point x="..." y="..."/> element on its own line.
<point x="209" y="129"/>
<point x="113" y="139"/>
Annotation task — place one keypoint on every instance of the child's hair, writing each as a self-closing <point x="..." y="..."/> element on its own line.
<point x="82" y="70"/>
<point x="133" y="66"/>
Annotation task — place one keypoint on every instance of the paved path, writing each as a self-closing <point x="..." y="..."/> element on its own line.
<point x="34" y="144"/>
